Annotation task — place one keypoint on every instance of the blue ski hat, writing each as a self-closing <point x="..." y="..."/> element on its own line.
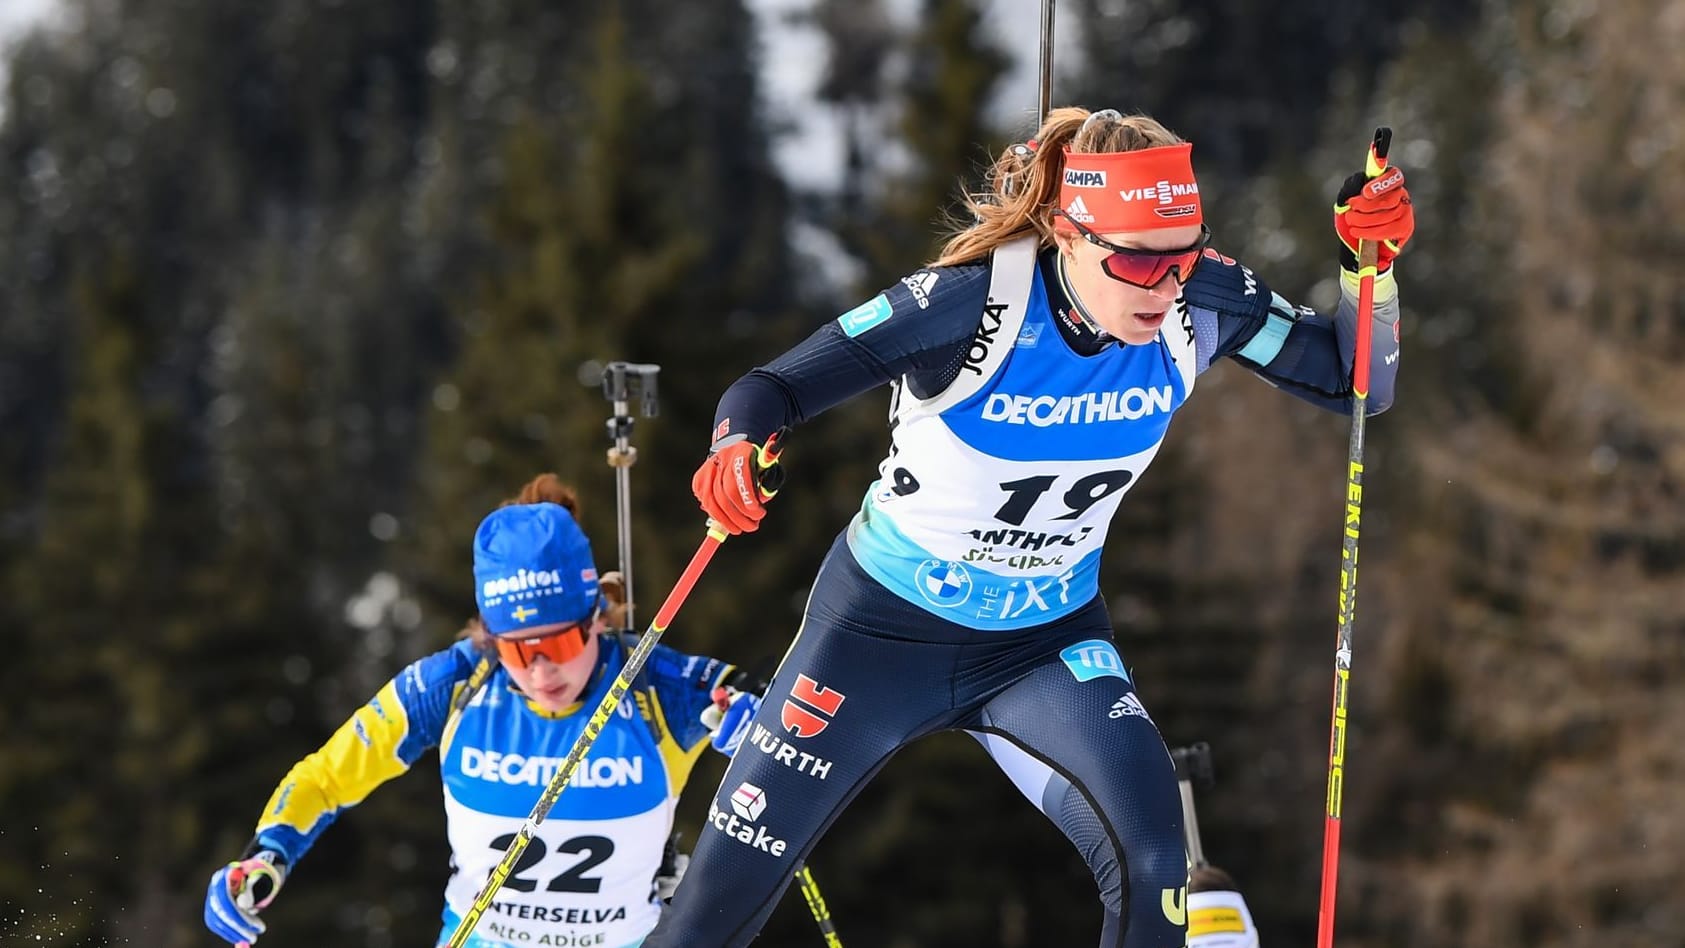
<point x="532" y="567"/>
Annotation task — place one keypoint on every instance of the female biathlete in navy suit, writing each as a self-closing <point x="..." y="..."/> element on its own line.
<point x="1036" y="365"/>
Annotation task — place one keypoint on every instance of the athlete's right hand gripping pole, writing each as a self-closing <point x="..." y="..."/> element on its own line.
<point x="1366" y="271"/>
<point x="772" y="477"/>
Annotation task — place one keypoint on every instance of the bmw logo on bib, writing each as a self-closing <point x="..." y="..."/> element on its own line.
<point x="943" y="583"/>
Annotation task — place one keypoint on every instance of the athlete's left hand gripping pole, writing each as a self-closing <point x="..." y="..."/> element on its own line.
<point x="1367" y="252"/>
<point x="772" y="477"/>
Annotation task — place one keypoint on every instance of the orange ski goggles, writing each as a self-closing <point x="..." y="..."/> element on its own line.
<point x="562" y="645"/>
<point x="1147" y="268"/>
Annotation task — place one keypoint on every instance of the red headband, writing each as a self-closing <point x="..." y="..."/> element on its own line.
<point x="1119" y="191"/>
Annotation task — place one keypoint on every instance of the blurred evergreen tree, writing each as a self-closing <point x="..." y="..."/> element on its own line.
<point x="1245" y="81"/>
<point x="611" y="239"/>
<point x="194" y="218"/>
<point x="1531" y="660"/>
<point x="860" y="37"/>
<point x="910" y="157"/>
<point x="131" y="633"/>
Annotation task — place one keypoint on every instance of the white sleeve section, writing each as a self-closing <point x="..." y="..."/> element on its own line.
<point x="1027" y="773"/>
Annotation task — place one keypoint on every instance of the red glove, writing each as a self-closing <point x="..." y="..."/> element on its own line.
<point x="736" y="481"/>
<point x="1375" y="209"/>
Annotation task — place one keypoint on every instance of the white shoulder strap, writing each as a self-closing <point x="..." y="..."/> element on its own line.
<point x="1178" y="335"/>
<point x="1012" y="269"/>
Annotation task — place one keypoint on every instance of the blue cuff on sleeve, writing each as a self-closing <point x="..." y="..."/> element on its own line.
<point x="1262" y="348"/>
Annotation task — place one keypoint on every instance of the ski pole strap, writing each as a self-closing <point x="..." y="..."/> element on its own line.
<point x="475" y="682"/>
<point x="254" y="881"/>
<point x="769" y="474"/>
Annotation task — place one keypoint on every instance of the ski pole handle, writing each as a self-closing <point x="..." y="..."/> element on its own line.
<point x="1368" y="252"/>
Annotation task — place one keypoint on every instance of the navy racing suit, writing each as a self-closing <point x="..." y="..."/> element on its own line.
<point x="964" y="594"/>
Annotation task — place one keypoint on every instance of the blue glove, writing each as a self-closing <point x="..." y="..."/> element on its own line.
<point x="728" y="718"/>
<point x="240" y="890"/>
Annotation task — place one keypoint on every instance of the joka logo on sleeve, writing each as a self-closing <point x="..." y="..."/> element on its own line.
<point x="810" y="707"/>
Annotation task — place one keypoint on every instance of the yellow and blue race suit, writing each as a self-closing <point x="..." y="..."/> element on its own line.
<point x="586" y="878"/>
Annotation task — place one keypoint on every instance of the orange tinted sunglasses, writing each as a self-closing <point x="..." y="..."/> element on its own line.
<point x="1146" y="268"/>
<point x="559" y="646"/>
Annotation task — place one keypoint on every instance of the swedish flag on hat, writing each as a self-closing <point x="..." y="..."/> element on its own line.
<point x="532" y="567"/>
